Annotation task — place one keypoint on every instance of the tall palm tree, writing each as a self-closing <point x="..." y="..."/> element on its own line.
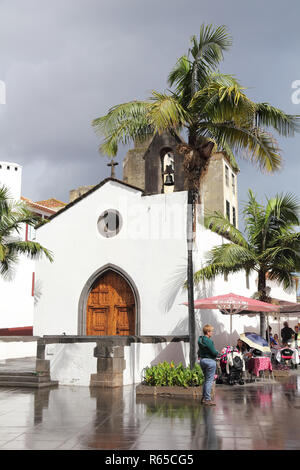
<point x="213" y="110"/>
<point x="13" y="216"/>
<point x="271" y="246"/>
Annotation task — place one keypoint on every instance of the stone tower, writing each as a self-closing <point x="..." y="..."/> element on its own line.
<point x="220" y="190"/>
<point x="11" y="177"/>
<point x="144" y="167"/>
<point x="134" y="164"/>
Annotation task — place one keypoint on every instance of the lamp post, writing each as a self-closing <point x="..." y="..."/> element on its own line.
<point x="190" y="276"/>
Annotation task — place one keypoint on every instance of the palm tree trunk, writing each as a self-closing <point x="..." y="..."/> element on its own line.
<point x="190" y="277"/>
<point x="263" y="298"/>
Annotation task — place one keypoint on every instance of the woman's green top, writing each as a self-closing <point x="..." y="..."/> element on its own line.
<point x="206" y="348"/>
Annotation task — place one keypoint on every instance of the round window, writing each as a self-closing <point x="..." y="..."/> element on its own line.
<point x="109" y="223"/>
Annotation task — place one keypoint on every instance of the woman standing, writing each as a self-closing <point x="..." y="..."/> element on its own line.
<point x="207" y="355"/>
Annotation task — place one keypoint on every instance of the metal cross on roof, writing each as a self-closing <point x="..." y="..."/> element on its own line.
<point x="112" y="164"/>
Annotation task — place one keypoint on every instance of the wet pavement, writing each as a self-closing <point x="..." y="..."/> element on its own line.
<point x="257" y="416"/>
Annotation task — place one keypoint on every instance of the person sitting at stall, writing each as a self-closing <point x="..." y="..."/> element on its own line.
<point x="244" y="349"/>
<point x="241" y="346"/>
<point x="274" y="344"/>
<point x="268" y="333"/>
<point x="276" y="339"/>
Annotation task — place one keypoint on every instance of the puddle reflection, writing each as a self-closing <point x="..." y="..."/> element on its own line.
<point x="257" y="417"/>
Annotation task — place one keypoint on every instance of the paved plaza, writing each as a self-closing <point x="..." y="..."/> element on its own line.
<point x="255" y="416"/>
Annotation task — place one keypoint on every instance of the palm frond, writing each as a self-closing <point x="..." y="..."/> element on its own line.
<point x="206" y="53"/>
<point x="231" y="256"/>
<point x="255" y="145"/>
<point x="138" y="119"/>
<point x="8" y="266"/>
<point x="208" y="273"/>
<point x="180" y="77"/>
<point x="219" y="102"/>
<point x="123" y="123"/>
<point x="282" y="276"/>
<point x="211" y="45"/>
<point x="4" y="199"/>
<point x="166" y="112"/>
<point x="13" y="216"/>
<point x="254" y="216"/>
<point x="282" y="210"/>
<point x="285" y="124"/>
<point x="220" y="224"/>
<point x="31" y="249"/>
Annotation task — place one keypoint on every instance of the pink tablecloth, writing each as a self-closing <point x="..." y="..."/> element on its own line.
<point x="255" y="364"/>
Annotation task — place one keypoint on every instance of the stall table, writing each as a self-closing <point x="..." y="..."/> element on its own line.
<point x="256" y="364"/>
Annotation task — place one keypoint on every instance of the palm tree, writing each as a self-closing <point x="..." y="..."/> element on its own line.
<point x="13" y="216"/>
<point x="213" y="110"/>
<point x="271" y="246"/>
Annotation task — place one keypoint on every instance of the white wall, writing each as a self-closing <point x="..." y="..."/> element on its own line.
<point x="17" y="349"/>
<point x="80" y="250"/>
<point x="138" y="356"/>
<point x="16" y="301"/>
<point x="73" y="363"/>
<point x="11" y="176"/>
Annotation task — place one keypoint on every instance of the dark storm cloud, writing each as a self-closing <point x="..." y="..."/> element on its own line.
<point x="66" y="62"/>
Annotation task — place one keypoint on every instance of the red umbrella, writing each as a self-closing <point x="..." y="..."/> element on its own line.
<point x="232" y="304"/>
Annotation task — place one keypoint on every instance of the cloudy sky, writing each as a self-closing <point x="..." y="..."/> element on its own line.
<point x="66" y="62"/>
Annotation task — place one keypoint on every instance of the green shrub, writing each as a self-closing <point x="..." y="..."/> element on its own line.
<point x="167" y="374"/>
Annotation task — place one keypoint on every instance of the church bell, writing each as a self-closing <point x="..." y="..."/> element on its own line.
<point x="169" y="180"/>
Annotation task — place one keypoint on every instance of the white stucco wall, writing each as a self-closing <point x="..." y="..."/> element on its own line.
<point x="11" y="177"/>
<point x="138" y="356"/>
<point x="150" y="248"/>
<point x="80" y="250"/>
<point x="73" y="363"/>
<point x="17" y="349"/>
<point x="16" y="300"/>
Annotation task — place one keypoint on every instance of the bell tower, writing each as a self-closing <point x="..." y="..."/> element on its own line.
<point x="155" y="166"/>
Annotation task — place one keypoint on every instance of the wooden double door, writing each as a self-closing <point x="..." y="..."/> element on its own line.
<point x="111" y="307"/>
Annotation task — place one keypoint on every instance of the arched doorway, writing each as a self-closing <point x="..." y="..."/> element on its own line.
<point x="110" y="308"/>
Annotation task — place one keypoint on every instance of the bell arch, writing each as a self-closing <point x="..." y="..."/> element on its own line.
<point x="87" y="289"/>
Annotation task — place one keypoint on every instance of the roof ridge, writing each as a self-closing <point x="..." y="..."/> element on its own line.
<point x="97" y="186"/>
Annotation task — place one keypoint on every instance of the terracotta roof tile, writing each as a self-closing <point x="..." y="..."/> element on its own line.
<point x="35" y="205"/>
<point x="52" y="202"/>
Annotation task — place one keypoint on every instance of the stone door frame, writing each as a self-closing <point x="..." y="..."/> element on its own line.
<point x="82" y="305"/>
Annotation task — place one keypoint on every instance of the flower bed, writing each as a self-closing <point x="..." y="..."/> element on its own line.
<point x="167" y="380"/>
<point x="167" y="374"/>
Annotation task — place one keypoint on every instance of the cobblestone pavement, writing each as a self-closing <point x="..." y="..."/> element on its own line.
<point x="261" y="416"/>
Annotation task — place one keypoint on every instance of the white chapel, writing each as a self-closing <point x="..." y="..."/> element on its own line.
<point x="120" y="253"/>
